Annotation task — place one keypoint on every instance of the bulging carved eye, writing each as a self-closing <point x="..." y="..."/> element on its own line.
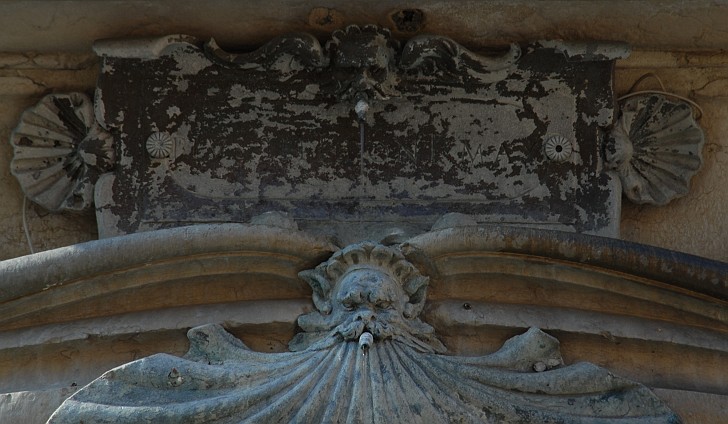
<point x="349" y="305"/>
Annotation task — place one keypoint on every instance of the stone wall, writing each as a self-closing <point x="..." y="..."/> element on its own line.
<point x="46" y="48"/>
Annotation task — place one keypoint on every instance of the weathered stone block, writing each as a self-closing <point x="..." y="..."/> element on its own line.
<point x="209" y="136"/>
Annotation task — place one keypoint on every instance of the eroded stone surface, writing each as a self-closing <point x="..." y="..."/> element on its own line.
<point x="72" y="25"/>
<point x="21" y="87"/>
<point x="686" y="60"/>
<point x="60" y="151"/>
<point x="694" y="223"/>
<point x="437" y="129"/>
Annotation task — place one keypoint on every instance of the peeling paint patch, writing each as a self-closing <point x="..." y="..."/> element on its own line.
<point x="173" y="111"/>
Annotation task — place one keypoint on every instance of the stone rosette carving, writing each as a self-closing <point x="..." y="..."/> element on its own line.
<point x="364" y="356"/>
<point x="159" y="145"/>
<point x="558" y="148"/>
<point x="655" y="147"/>
<point x="60" y="151"/>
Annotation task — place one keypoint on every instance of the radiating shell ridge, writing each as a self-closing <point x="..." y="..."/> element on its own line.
<point x="159" y="145"/>
<point x="655" y="147"/>
<point x="60" y="151"/>
<point x="558" y="148"/>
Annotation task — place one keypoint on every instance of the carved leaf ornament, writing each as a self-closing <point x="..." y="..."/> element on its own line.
<point x="60" y="151"/>
<point x="364" y="356"/>
<point x="655" y="147"/>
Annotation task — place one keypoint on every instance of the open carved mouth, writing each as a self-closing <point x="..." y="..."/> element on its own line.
<point x="354" y="330"/>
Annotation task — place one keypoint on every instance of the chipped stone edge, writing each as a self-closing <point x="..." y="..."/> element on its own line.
<point x="588" y="51"/>
<point x="142" y="48"/>
<point x="154" y="47"/>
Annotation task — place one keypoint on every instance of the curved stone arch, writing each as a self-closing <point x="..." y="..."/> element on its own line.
<point x="487" y="284"/>
<point x="611" y="299"/>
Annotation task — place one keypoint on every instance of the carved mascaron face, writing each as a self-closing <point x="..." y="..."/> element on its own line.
<point x="366" y="288"/>
<point x="368" y="299"/>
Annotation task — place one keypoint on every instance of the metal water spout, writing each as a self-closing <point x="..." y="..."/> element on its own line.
<point x="365" y="342"/>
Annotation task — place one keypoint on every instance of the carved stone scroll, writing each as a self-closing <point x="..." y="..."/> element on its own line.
<point x="210" y="136"/>
<point x="364" y="356"/>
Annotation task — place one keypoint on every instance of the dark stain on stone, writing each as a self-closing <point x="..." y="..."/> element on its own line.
<point x="325" y="17"/>
<point x="408" y="20"/>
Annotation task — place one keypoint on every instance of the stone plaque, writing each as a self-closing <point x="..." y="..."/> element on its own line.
<point x="363" y="131"/>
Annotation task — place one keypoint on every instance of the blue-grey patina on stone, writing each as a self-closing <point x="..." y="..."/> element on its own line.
<point x="364" y="356"/>
<point x="205" y="135"/>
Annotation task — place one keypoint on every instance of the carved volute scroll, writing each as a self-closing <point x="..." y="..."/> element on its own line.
<point x="60" y="151"/>
<point x="434" y="55"/>
<point x="655" y="147"/>
<point x="364" y="356"/>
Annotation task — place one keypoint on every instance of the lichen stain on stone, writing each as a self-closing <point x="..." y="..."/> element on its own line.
<point x="238" y="94"/>
<point x="189" y="62"/>
<point x="173" y="111"/>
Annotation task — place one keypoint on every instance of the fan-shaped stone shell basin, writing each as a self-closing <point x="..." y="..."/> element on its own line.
<point x="651" y="315"/>
<point x="656" y="148"/>
<point x="60" y="151"/>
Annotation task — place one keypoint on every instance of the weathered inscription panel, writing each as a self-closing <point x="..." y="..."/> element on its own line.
<point x="211" y="136"/>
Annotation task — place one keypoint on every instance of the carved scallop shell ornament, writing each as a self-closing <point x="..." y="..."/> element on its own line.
<point x="655" y="147"/>
<point x="60" y="151"/>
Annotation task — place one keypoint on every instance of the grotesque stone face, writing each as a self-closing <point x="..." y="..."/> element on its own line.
<point x="368" y="299"/>
<point x="366" y="287"/>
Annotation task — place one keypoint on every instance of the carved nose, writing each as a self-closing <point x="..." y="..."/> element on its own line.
<point x="365" y="315"/>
